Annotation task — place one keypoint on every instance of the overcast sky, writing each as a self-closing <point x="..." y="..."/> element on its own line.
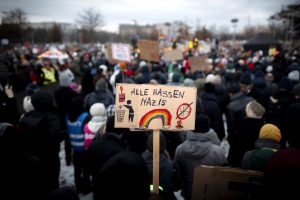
<point x="203" y="12"/>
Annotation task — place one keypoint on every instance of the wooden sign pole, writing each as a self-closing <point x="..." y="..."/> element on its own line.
<point x="156" y="161"/>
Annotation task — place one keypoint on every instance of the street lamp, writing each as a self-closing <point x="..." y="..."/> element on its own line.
<point x="234" y="22"/>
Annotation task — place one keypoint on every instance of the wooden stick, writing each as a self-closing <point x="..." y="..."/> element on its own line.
<point x="156" y="161"/>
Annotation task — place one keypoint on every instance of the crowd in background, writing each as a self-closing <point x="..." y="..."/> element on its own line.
<point x="250" y="100"/>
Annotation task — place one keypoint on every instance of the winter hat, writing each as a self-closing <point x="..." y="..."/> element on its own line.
<point x="202" y="124"/>
<point x="98" y="109"/>
<point x="42" y="101"/>
<point x="99" y="118"/>
<point x="209" y="88"/>
<point x="27" y="104"/>
<point x="101" y="84"/>
<point x="210" y="78"/>
<point x="142" y="63"/>
<point x="285" y="84"/>
<point x="255" y="110"/>
<point x="245" y="79"/>
<point x="189" y="82"/>
<point x="294" y="75"/>
<point x="269" y="68"/>
<point x="296" y="90"/>
<point x="270" y="131"/>
<point x="65" y="78"/>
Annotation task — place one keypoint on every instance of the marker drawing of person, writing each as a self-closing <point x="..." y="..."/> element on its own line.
<point x="131" y="111"/>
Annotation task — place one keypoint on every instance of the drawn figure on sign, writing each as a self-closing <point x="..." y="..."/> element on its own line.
<point x="121" y="95"/>
<point x="179" y="124"/>
<point x="131" y="111"/>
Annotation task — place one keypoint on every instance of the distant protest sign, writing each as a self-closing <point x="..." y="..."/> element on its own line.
<point x="149" y="50"/>
<point x="119" y="52"/>
<point x="198" y="63"/>
<point x="155" y="107"/>
<point x="173" y="55"/>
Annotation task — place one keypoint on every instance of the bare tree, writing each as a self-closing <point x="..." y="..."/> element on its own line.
<point x="14" y="26"/>
<point x="90" y="19"/>
<point x="16" y="16"/>
<point x="56" y="33"/>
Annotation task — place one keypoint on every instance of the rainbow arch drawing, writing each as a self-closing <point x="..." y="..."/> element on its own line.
<point x="162" y="114"/>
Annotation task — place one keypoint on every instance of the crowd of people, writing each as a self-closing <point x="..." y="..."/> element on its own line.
<point x="250" y="99"/>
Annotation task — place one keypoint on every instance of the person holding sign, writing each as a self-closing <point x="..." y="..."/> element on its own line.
<point x="165" y="167"/>
<point x="198" y="149"/>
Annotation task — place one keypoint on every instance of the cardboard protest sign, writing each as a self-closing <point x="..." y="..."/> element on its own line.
<point x="149" y="50"/>
<point x="155" y="107"/>
<point x="198" y="63"/>
<point x="173" y="55"/>
<point x="119" y="52"/>
<point x="212" y="182"/>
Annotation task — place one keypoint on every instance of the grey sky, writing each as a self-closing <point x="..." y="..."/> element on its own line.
<point x="208" y="12"/>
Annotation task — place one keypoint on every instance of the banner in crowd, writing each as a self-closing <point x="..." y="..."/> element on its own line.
<point x="173" y="55"/>
<point x="198" y="63"/>
<point x="119" y="52"/>
<point x="155" y="107"/>
<point x="149" y="50"/>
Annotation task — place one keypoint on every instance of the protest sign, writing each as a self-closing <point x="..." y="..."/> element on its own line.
<point x="214" y="182"/>
<point x="155" y="107"/>
<point x="198" y="63"/>
<point x="118" y="52"/>
<point x="173" y="55"/>
<point x="149" y="50"/>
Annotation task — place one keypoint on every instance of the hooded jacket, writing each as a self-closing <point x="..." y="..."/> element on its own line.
<point x="196" y="150"/>
<point x="100" y="95"/>
<point x="43" y="134"/>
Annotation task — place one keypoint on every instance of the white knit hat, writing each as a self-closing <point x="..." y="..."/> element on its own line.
<point x="210" y="78"/>
<point x="269" y="68"/>
<point x="98" y="109"/>
<point x="142" y="63"/>
<point x="294" y="75"/>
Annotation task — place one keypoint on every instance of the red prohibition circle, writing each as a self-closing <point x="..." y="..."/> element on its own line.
<point x="189" y="110"/>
